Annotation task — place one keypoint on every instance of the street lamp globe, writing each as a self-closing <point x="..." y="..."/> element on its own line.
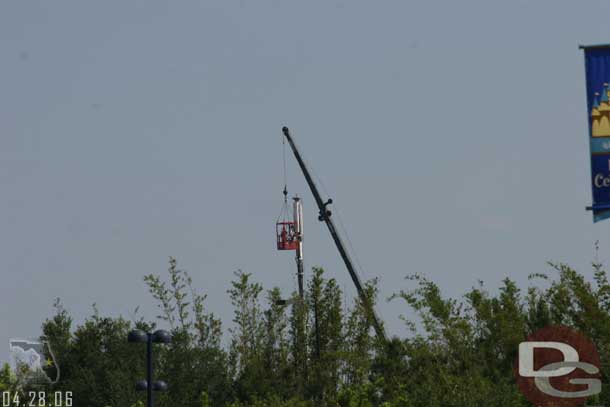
<point x="137" y="336"/>
<point x="162" y="336"/>
<point x="141" y="385"/>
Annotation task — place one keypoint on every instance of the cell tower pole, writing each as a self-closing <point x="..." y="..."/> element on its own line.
<point x="325" y="216"/>
<point x="298" y="222"/>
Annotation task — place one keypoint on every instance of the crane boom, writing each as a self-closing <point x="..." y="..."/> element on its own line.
<point x="325" y="215"/>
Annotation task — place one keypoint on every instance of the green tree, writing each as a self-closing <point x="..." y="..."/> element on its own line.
<point x="246" y="356"/>
<point x="326" y="338"/>
<point x="194" y="362"/>
<point x="276" y="346"/>
<point x="298" y="342"/>
<point x="359" y="343"/>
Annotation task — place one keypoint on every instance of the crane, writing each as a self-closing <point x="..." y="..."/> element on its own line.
<point x="325" y="216"/>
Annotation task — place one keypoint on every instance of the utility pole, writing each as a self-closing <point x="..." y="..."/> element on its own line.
<point x="298" y="222"/>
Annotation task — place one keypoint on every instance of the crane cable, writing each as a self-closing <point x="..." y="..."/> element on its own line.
<point x="285" y="176"/>
<point x="336" y="211"/>
<point x="284" y="211"/>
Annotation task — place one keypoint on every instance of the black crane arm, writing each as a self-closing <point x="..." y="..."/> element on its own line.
<point x="325" y="215"/>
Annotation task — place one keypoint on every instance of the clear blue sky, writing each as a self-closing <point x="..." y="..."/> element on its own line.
<point x="451" y="134"/>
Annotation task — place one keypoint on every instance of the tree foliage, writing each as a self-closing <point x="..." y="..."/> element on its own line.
<point x="318" y="351"/>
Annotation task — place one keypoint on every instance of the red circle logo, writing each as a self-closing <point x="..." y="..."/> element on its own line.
<point x="558" y="366"/>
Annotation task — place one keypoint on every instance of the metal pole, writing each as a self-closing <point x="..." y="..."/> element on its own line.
<point x="300" y="276"/>
<point x="298" y="221"/>
<point x="149" y="370"/>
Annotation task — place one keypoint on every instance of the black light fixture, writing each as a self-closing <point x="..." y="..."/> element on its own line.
<point x="159" y="385"/>
<point x="137" y="336"/>
<point x="162" y="336"/>
<point x="141" y="385"/>
<point x="283" y="302"/>
<point x="148" y="385"/>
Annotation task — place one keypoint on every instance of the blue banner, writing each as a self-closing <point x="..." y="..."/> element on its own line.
<point x="597" y="68"/>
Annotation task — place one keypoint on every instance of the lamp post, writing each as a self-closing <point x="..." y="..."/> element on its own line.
<point x="160" y="336"/>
